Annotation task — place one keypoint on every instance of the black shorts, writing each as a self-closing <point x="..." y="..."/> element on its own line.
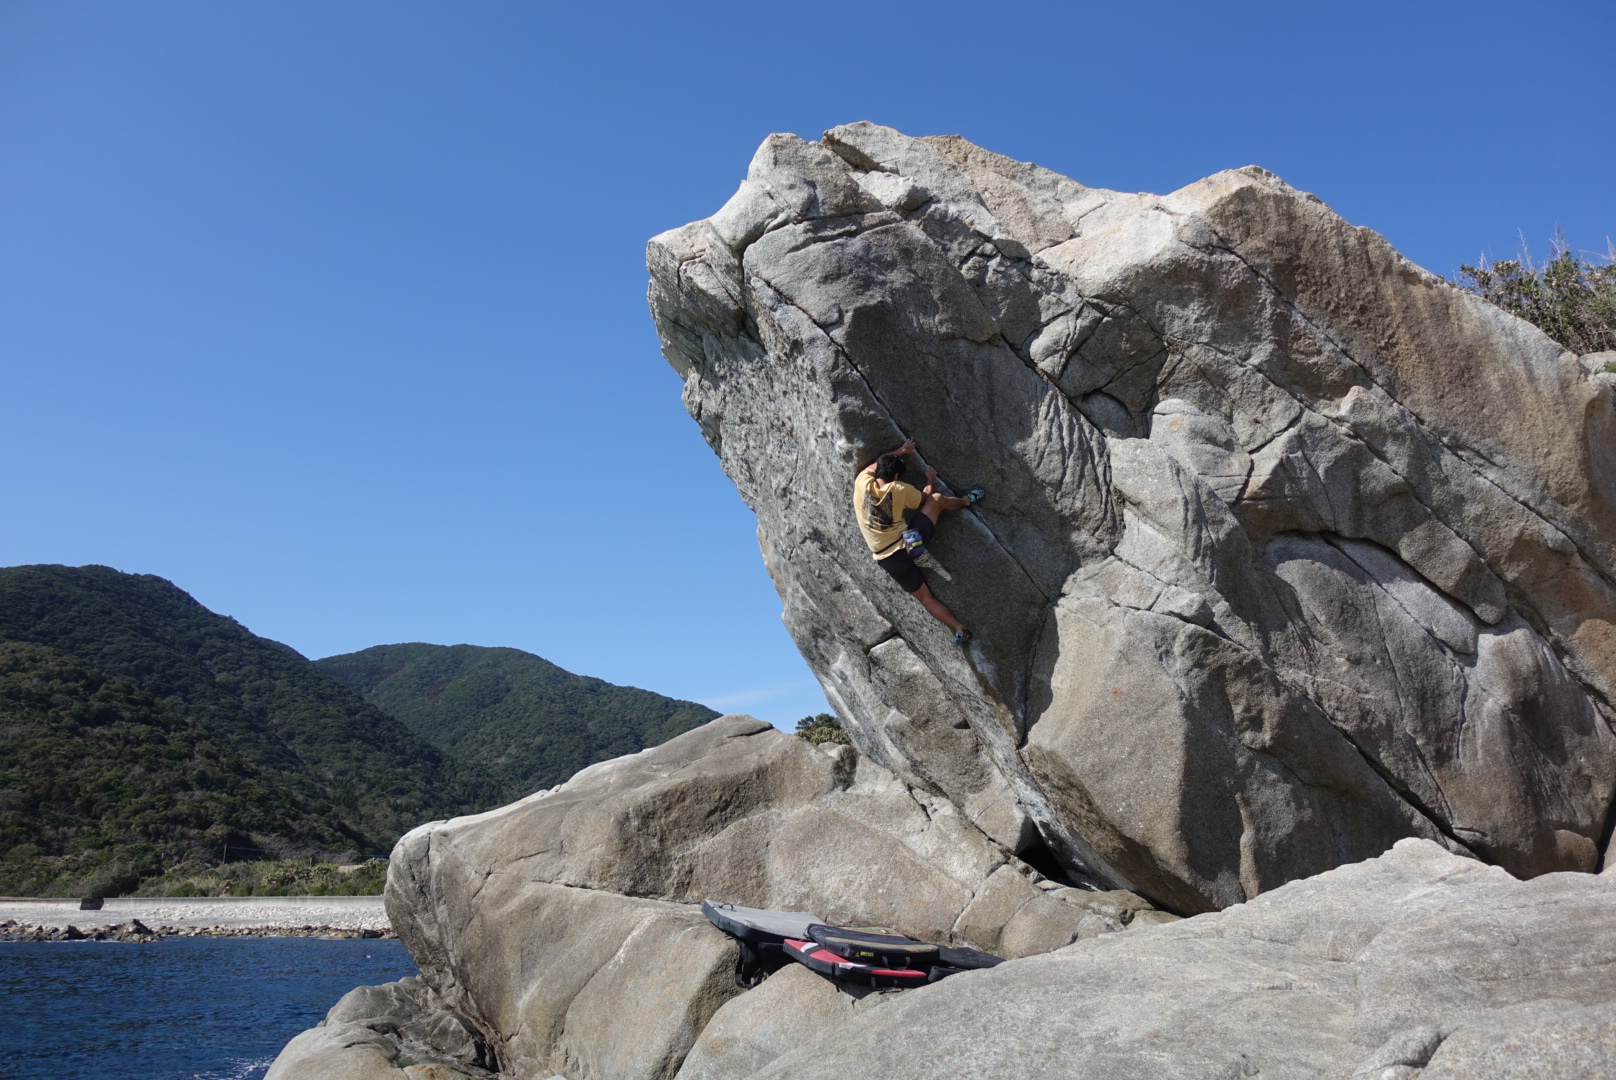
<point x="900" y="564"/>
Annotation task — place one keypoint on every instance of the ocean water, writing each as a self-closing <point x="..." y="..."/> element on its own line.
<point x="178" y="1009"/>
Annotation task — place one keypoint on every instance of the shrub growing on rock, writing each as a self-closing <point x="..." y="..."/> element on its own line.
<point x="823" y="728"/>
<point x="1570" y="298"/>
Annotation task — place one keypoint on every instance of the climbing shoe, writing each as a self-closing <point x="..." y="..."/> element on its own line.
<point x="962" y="635"/>
<point x="975" y="494"/>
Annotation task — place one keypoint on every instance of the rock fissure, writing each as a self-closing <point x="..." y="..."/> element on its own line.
<point x="1405" y="792"/>
<point x="876" y="398"/>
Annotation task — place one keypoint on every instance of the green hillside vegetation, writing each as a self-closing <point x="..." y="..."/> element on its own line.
<point x="518" y="722"/>
<point x="823" y="728"/>
<point x="100" y="782"/>
<point x="139" y="730"/>
<point x="292" y="877"/>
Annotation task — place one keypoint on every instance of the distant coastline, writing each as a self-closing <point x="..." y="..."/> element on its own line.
<point x="33" y="918"/>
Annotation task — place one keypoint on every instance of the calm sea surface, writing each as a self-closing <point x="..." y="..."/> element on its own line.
<point x="177" y="1009"/>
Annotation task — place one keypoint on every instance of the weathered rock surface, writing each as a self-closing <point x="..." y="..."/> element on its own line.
<point x="1291" y="549"/>
<point x="740" y="811"/>
<point x="382" y="1032"/>
<point x="1417" y="964"/>
<point x="789" y="1009"/>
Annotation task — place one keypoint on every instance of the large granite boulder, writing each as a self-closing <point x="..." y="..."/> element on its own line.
<point x="560" y="934"/>
<point x="1417" y="964"/>
<point x="1291" y="549"/>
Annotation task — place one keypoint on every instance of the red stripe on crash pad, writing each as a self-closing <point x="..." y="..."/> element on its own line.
<point x="813" y="952"/>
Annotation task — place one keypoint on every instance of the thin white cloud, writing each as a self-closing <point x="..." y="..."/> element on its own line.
<point x="744" y="698"/>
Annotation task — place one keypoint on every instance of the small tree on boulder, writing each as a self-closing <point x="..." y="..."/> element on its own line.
<point x="823" y="728"/>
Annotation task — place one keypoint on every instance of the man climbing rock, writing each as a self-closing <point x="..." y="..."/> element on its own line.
<point x="897" y="520"/>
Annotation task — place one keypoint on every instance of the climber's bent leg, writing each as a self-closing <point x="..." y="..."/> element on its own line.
<point x="934" y="505"/>
<point x="938" y="609"/>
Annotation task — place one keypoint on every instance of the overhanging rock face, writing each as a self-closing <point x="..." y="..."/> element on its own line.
<point x="1291" y="549"/>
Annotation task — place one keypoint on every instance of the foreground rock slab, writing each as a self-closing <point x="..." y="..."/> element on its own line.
<point x="1416" y="964"/>
<point x="564" y="929"/>
<point x="565" y="924"/>
<point x="1291" y="549"/>
<point x="1417" y="960"/>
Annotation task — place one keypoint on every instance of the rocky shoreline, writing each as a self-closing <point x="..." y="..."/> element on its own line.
<point x="142" y="919"/>
<point x="1292" y="597"/>
<point x="136" y="932"/>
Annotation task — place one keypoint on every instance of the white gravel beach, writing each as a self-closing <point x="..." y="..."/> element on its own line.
<point x="267" y="915"/>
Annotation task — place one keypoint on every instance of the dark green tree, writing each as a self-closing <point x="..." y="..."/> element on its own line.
<point x="823" y="728"/>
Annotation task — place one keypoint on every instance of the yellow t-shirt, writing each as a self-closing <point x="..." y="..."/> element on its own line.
<point x="879" y="509"/>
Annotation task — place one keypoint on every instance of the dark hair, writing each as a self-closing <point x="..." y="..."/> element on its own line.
<point x="889" y="467"/>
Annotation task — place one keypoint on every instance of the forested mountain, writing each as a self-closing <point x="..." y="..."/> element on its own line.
<point x="138" y="728"/>
<point x="516" y="721"/>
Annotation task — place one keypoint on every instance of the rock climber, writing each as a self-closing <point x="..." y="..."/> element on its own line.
<point x="897" y="520"/>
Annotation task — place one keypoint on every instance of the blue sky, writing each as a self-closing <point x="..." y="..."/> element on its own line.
<point x="333" y="313"/>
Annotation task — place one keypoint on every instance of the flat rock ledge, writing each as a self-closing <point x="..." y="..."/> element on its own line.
<point x="1419" y="963"/>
